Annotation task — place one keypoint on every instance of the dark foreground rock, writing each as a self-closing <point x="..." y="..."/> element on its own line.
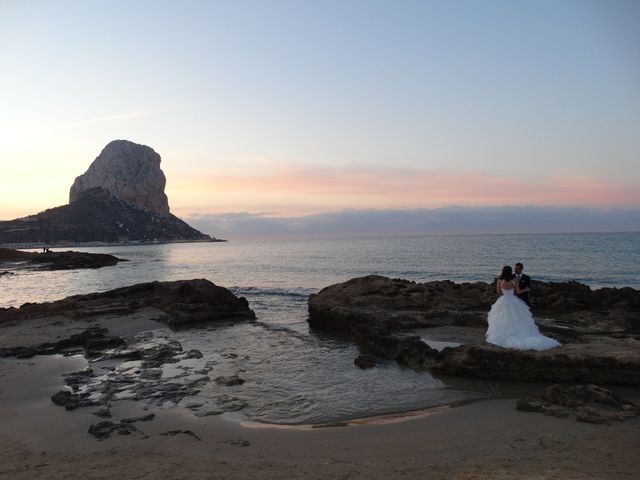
<point x="182" y="303"/>
<point x="599" y="329"/>
<point x="365" y="361"/>
<point x="145" y="376"/>
<point x="105" y="428"/>
<point x="593" y="360"/>
<point x="173" y="433"/>
<point x="60" y="260"/>
<point x="589" y="403"/>
<point x="139" y="377"/>
<point x="92" y="341"/>
<point x="229" y="380"/>
<point x="70" y="401"/>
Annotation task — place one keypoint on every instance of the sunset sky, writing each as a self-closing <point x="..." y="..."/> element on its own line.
<point x="274" y="110"/>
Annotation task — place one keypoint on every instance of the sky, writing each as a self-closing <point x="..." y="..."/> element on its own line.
<point x="284" y="117"/>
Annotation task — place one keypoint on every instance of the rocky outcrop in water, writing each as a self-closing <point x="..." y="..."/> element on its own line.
<point x="600" y="329"/>
<point x="573" y="309"/>
<point x="182" y="303"/>
<point x="129" y="172"/>
<point x="92" y="341"/>
<point x="59" y="260"/>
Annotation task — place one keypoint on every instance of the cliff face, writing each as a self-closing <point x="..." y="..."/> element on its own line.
<point x="130" y="172"/>
<point x="119" y="199"/>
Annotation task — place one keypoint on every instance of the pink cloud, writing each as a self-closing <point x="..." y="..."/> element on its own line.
<point x="397" y="187"/>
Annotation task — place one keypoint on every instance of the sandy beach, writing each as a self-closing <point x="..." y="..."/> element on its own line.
<point x="483" y="439"/>
<point x="486" y="439"/>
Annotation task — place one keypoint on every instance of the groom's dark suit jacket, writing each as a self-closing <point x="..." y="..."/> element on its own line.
<point x="525" y="282"/>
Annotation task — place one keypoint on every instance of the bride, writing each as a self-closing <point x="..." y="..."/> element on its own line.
<point x="510" y="322"/>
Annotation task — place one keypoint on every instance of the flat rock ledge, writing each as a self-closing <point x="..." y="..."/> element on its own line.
<point x="587" y="403"/>
<point x="68" y="260"/>
<point x="599" y="329"/>
<point x="182" y="303"/>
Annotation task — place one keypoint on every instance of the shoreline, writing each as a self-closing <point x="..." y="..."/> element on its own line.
<point x="381" y="419"/>
<point x="37" y="246"/>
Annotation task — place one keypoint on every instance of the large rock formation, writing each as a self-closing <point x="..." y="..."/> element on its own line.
<point x="120" y="199"/>
<point x="130" y="172"/>
<point x="600" y="329"/>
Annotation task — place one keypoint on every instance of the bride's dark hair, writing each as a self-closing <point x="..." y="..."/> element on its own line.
<point x="506" y="274"/>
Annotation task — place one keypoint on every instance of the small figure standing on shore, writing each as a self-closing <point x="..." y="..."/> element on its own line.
<point x="511" y="324"/>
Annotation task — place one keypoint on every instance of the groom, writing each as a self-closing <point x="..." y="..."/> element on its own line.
<point x="524" y="282"/>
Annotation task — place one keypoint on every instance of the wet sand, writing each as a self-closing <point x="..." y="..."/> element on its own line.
<point x="484" y="439"/>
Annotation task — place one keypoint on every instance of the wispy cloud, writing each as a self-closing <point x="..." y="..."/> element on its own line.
<point x="127" y="115"/>
<point x="363" y="187"/>
<point x="107" y="118"/>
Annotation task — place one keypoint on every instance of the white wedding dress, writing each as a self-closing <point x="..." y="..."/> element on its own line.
<point x="511" y="325"/>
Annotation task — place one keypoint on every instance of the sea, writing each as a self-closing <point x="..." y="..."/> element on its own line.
<point x="295" y="375"/>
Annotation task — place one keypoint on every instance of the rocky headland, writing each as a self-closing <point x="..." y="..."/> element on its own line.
<point x="599" y="329"/>
<point x="57" y="260"/>
<point x="119" y="199"/>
